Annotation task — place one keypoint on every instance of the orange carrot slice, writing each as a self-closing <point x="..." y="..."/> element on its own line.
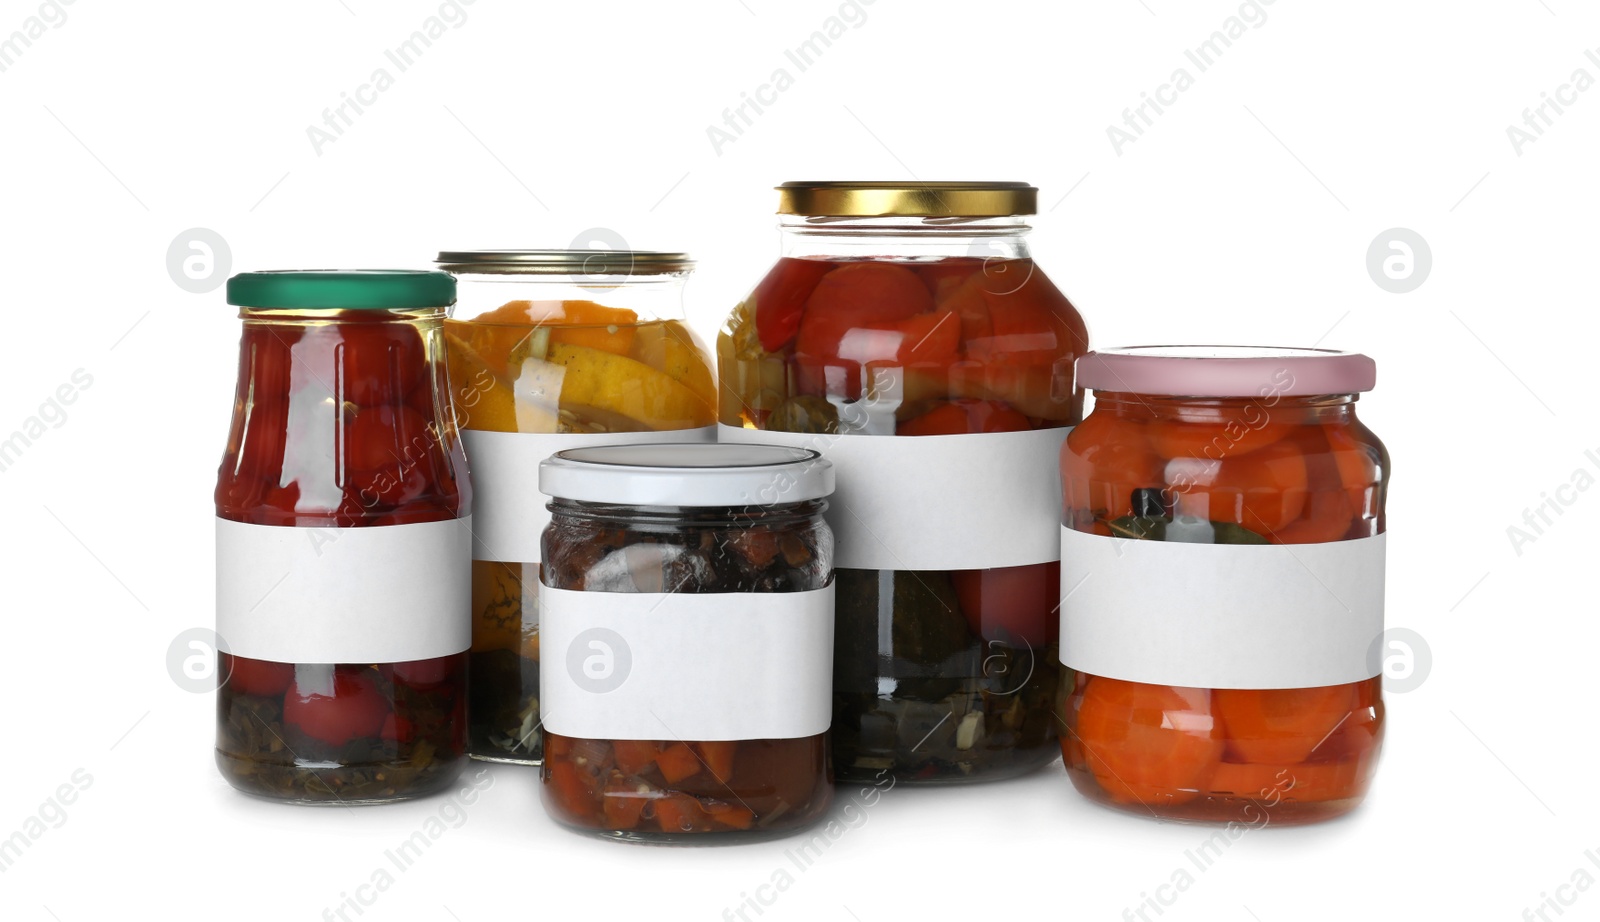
<point x="718" y="756"/>
<point x="634" y="756"/>
<point x="1151" y="744"/>
<point x="678" y="762"/>
<point x="1280" y="726"/>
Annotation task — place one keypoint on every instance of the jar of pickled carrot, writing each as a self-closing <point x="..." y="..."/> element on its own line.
<point x="1222" y="576"/>
<point x="688" y="614"/>
<point x="907" y="334"/>
<point x="343" y="535"/>
<point x="548" y="350"/>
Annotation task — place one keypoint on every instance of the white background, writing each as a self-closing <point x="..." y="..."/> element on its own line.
<point x="1244" y="213"/>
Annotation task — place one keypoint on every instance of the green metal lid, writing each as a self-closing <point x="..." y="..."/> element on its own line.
<point x="340" y="289"/>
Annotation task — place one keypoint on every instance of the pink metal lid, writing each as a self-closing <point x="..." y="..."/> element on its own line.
<point x="1226" y="371"/>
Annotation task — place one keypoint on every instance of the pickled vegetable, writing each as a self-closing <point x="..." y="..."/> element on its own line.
<point x="350" y="438"/>
<point x="1222" y="471"/>
<point x="563" y="367"/>
<point x="940" y="676"/>
<point x="681" y="790"/>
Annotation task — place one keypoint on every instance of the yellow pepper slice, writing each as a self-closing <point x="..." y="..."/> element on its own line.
<point x="598" y="384"/>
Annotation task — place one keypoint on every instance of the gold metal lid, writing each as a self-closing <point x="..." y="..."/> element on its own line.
<point x="919" y="199"/>
<point x="565" y="262"/>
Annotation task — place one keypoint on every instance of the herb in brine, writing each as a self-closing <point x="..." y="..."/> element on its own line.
<point x="504" y="712"/>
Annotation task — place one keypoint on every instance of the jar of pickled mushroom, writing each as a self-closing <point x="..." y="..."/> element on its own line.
<point x="1222" y="574"/>
<point x="343" y="541"/>
<point x="548" y="350"/>
<point x="907" y="334"/>
<point x="688" y="609"/>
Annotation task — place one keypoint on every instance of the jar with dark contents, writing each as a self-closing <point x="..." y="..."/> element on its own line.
<point x="687" y="610"/>
<point x="343" y="543"/>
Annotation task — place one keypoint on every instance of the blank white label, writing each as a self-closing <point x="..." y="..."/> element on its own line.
<point x="384" y="594"/>
<point x="511" y="513"/>
<point x="938" y="502"/>
<point x="686" y="666"/>
<point x="1221" y="615"/>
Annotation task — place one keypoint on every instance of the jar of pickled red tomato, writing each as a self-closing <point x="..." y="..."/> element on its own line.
<point x="1222" y="574"/>
<point x="343" y="541"/>
<point x="688" y="609"/>
<point x="907" y="334"/>
<point x="554" y="349"/>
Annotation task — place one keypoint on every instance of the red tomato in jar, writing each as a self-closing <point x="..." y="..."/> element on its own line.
<point x="864" y="293"/>
<point x="263" y="399"/>
<point x="267" y="358"/>
<point x="425" y="673"/>
<point x="256" y="676"/>
<point x="865" y="313"/>
<point x="351" y="709"/>
<point x="1028" y="322"/>
<point x="1014" y="605"/>
<point x="379" y="362"/>
<point x="390" y="451"/>
<point x="781" y="297"/>
<point x="958" y="417"/>
<point x="383" y="436"/>
<point x="397" y="729"/>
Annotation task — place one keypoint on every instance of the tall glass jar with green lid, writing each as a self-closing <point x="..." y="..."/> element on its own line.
<point x="343" y="523"/>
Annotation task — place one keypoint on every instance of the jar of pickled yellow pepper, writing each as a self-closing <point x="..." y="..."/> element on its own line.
<point x="550" y="350"/>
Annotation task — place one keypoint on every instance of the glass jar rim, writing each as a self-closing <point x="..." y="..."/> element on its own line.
<point x="687" y="474"/>
<point x="580" y="263"/>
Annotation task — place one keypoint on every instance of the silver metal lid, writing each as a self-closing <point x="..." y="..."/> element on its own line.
<point x="565" y="262"/>
<point x="687" y="474"/>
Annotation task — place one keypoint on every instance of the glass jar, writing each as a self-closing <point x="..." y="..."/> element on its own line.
<point x="554" y="349"/>
<point x="342" y="542"/>
<point x="688" y="608"/>
<point x="917" y="310"/>
<point x="1222" y="574"/>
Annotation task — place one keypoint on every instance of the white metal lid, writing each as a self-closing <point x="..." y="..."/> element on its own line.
<point x="687" y="474"/>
